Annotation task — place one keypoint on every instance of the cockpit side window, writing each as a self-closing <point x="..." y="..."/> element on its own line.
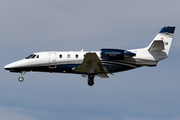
<point x="28" y="57"/>
<point x="32" y="56"/>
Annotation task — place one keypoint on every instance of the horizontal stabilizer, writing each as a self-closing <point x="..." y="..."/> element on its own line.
<point x="157" y="45"/>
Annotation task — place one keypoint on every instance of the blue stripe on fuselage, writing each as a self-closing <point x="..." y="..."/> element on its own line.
<point x="67" y="68"/>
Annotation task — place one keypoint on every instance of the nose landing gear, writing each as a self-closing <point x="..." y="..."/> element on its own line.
<point x="21" y="77"/>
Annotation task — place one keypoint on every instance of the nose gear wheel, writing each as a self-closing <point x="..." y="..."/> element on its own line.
<point x="21" y="77"/>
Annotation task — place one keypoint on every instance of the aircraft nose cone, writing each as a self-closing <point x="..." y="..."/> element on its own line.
<point x="9" y="66"/>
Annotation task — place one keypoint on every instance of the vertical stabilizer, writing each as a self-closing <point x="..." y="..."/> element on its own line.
<point x="162" y="41"/>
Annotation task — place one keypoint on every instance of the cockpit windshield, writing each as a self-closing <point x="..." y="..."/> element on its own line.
<point x="32" y="56"/>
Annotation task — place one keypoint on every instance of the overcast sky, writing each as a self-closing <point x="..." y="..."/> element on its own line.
<point x="146" y="93"/>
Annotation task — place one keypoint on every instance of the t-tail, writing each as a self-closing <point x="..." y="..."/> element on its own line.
<point x="161" y="44"/>
<point x="157" y="50"/>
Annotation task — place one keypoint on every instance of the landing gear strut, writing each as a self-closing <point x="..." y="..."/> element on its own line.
<point x="21" y="77"/>
<point x="90" y="79"/>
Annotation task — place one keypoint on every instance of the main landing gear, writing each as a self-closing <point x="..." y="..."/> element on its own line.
<point x="21" y="77"/>
<point x="90" y="79"/>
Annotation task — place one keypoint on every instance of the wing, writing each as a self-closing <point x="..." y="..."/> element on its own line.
<point x="91" y="64"/>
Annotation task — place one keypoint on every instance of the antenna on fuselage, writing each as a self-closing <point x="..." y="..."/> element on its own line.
<point x="82" y="50"/>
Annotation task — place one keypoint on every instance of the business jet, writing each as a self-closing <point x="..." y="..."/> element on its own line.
<point x="96" y="63"/>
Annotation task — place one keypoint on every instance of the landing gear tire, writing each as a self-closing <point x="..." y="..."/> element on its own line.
<point x="90" y="82"/>
<point x="20" y="79"/>
<point x="91" y="79"/>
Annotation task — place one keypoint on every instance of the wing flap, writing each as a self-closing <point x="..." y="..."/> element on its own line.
<point x="103" y="76"/>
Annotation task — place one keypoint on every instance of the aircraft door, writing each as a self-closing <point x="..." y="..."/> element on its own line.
<point x="52" y="60"/>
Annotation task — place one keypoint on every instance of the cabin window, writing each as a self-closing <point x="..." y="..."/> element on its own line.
<point x="76" y="55"/>
<point x="68" y="56"/>
<point x="60" y="56"/>
<point x="84" y="55"/>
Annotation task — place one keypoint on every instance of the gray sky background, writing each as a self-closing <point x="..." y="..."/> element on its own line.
<point x="147" y="93"/>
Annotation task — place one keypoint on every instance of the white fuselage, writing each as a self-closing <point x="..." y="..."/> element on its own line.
<point x="54" y="58"/>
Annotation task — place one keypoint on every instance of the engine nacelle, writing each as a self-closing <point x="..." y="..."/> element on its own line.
<point x="115" y="54"/>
